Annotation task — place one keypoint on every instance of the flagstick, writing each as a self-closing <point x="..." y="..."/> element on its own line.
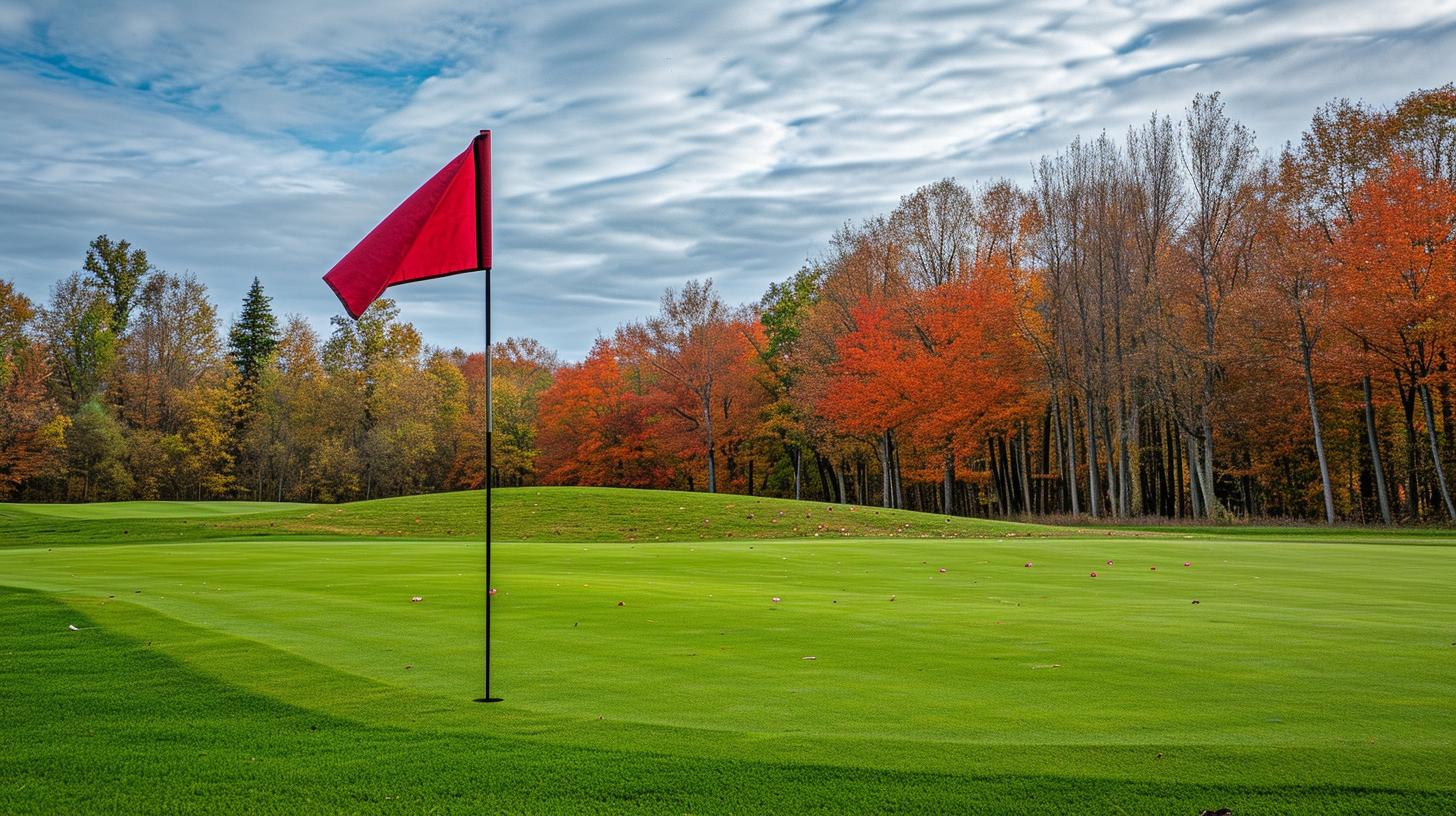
<point x="482" y="232"/>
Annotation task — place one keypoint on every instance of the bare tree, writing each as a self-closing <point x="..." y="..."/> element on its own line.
<point x="936" y="228"/>
<point x="1220" y="159"/>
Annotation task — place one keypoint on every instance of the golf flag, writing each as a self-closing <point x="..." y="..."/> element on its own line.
<point x="443" y="228"/>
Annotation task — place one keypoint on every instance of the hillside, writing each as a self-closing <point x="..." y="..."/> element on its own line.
<point x="521" y="514"/>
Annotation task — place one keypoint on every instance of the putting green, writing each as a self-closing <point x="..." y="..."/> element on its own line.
<point x="1321" y="670"/>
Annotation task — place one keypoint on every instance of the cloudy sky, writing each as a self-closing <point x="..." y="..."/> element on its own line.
<point x="636" y="144"/>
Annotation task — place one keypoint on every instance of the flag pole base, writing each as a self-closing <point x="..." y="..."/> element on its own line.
<point x="486" y="700"/>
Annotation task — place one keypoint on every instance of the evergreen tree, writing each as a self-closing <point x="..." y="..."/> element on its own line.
<point x="116" y="270"/>
<point x="254" y="336"/>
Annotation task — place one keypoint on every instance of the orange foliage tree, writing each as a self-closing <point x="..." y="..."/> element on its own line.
<point x="597" y="427"/>
<point x="1397" y="291"/>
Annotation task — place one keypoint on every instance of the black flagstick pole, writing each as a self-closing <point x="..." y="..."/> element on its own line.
<point x="482" y="241"/>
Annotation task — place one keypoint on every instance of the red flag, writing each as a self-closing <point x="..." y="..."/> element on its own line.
<point x="443" y="228"/>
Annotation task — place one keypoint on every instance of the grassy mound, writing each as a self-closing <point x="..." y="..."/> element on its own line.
<point x="584" y="514"/>
<point x="613" y="514"/>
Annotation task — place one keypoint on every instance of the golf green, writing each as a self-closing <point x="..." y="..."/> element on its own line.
<point x="712" y="654"/>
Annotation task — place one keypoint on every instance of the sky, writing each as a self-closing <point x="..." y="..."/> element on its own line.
<point x="637" y="144"/>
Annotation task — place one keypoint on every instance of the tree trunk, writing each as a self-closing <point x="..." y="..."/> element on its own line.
<point x="1195" y="478"/>
<point x="1025" y="462"/>
<point x="996" y="481"/>
<point x="1175" y="473"/>
<point x="708" y="425"/>
<point x="887" y="494"/>
<point x="1436" y="452"/>
<point x="1068" y="457"/>
<point x="1114" y="483"/>
<point x="1212" y="508"/>
<point x="1408" y="404"/>
<point x="798" y="472"/>
<point x="1094" y="489"/>
<point x="894" y="472"/>
<point x="1375" y="454"/>
<point x="1319" y="439"/>
<point x="948" y="488"/>
<point x="1043" y="493"/>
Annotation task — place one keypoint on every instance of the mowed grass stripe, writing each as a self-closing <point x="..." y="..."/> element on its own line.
<point x="988" y="653"/>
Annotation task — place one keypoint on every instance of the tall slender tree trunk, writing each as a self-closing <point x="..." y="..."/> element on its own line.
<point x="1024" y="460"/>
<point x="708" y="425"/>
<point x="998" y="483"/>
<point x="948" y="489"/>
<point x="1070" y="472"/>
<point x="887" y="493"/>
<point x="1043" y="492"/>
<point x="1131" y="462"/>
<point x="1094" y="488"/>
<point x="1212" y="508"/>
<point x="1436" y="452"/>
<point x="1374" y="441"/>
<point x="798" y="471"/>
<point x="1412" y="449"/>
<point x="1195" y="479"/>
<point x="1109" y="460"/>
<point x="1175" y="472"/>
<point x="1319" y="439"/>
<point x="896" y="484"/>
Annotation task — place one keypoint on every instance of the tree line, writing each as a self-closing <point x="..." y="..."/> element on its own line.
<point x="1174" y="323"/>
<point x="121" y="386"/>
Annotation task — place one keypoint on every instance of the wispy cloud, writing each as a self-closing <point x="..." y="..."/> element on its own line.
<point x="637" y="144"/>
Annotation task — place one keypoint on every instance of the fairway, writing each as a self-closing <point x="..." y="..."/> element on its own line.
<point x="697" y="653"/>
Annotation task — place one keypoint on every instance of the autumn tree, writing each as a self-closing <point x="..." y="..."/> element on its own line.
<point x="172" y="342"/>
<point x="32" y="428"/>
<point x="522" y="370"/>
<point x="362" y="357"/>
<point x="690" y="343"/>
<point x="596" y="427"/>
<point x="1223" y="219"/>
<point x="1396" y="258"/>
<point x="288" y="425"/>
<point x="1290" y="285"/>
<point x="16" y="314"/>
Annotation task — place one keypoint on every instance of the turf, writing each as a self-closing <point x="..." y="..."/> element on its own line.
<point x="646" y="666"/>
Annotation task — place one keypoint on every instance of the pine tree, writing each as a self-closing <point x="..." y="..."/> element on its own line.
<point x="254" y="336"/>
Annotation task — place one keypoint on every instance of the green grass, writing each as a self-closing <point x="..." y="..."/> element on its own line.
<point x="143" y="509"/>
<point x="1317" y="673"/>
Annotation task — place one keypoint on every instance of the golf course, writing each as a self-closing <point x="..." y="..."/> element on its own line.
<point x="664" y="652"/>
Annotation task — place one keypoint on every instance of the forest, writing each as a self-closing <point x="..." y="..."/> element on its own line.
<point x="1173" y="322"/>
